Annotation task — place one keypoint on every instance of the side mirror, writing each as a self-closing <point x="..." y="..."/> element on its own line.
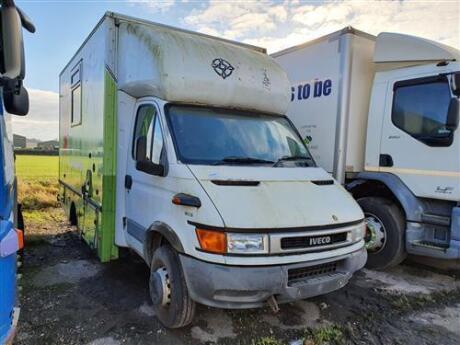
<point x="143" y="163"/>
<point x="456" y="84"/>
<point x="453" y="114"/>
<point x="150" y="168"/>
<point x="141" y="148"/>
<point x="16" y="101"/>
<point x="12" y="54"/>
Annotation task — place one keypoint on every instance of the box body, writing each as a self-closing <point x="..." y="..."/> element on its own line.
<point x="320" y="92"/>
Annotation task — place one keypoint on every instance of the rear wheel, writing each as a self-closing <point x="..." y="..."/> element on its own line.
<point x="168" y="290"/>
<point x="73" y="215"/>
<point x="385" y="233"/>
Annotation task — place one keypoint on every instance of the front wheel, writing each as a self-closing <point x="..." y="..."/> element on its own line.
<point x="385" y="233"/>
<point x="168" y="289"/>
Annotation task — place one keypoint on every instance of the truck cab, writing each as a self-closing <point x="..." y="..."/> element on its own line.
<point x="381" y="114"/>
<point x="413" y="143"/>
<point x="212" y="184"/>
<point x="13" y="100"/>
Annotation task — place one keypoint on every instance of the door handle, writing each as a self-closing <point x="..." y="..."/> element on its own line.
<point x="385" y="160"/>
<point x="128" y="182"/>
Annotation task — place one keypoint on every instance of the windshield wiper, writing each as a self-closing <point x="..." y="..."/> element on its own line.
<point x="292" y="158"/>
<point x="242" y="160"/>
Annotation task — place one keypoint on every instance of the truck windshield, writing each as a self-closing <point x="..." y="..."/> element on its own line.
<point x="224" y="137"/>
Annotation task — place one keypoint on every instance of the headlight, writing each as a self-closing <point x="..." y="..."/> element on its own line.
<point x="219" y="242"/>
<point x="358" y="233"/>
<point x="247" y="243"/>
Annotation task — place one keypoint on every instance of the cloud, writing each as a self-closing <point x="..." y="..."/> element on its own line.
<point x="234" y="19"/>
<point x="155" y="5"/>
<point x="42" y="122"/>
<point x="276" y="25"/>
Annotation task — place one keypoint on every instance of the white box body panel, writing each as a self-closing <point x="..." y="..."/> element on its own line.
<point x="317" y="116"/>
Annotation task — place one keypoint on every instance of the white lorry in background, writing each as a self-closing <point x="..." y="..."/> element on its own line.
<point x="381" y="114"/>
<point x="175" y="144"/>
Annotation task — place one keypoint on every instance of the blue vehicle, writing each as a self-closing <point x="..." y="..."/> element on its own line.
<point x="13" y="100"/>
<point x="11" y="239"/>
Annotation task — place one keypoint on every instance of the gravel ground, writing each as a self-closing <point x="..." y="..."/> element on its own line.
<point x="70" y="298"/>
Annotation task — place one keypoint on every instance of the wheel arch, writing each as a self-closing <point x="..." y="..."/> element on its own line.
<point x="389" y="186"/>
<point x="157" y="234"/>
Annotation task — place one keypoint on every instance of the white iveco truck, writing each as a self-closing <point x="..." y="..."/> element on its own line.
<point x="381" y="114"/>
<point x="175" y="144"/>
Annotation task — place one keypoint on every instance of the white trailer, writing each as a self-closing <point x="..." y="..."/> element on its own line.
<point x="381" y="114"/>
<point x="175" y="145"/>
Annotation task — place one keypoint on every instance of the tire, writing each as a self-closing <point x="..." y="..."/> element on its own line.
<point x="180" y="309"/>
<point x="392" y="249"/>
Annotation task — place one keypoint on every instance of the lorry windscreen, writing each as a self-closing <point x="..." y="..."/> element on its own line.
<point x="229" y="137"/>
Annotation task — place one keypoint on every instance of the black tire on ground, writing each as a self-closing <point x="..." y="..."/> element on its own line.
<point x="73" y="219"/>
<point x="389" y="213"/>
<point x="181" y="308"/>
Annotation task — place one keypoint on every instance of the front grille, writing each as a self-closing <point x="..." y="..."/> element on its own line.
<point x="303" y="273"/>
<point x="312" y="241"/>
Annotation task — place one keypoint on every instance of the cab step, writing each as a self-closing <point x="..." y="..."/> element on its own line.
<point x="430" y="244"/>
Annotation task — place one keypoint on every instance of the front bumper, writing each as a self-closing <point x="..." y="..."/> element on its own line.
<point x="237" y="287"/>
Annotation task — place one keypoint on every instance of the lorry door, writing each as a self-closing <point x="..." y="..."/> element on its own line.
<point x="417" y="143"/>
<point x="145" y="196"/>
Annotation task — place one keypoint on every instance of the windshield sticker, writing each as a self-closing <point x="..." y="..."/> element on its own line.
<point x="222" y="67"/>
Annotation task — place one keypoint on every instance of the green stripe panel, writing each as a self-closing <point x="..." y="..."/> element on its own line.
<point x="106" y="248"/>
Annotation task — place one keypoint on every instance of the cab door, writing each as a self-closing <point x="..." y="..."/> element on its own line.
<point x="419" y="143"/>
<point x="144" y="187"/>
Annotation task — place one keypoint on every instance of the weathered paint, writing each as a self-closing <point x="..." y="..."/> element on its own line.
<point x="285" y="198"/>
<point x="183" y="67"/>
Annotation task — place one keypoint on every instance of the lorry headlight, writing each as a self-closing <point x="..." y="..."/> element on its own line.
<point x="247" y="243"/>
<point x="358" y="233"/>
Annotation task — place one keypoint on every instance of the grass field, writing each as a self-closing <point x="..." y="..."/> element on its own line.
<point x="37" y="183"/>
<point x="37" y="167"/>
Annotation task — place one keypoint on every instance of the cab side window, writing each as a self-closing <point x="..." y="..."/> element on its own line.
<point x="421" y="110"/>
<point x="148" y="138"/>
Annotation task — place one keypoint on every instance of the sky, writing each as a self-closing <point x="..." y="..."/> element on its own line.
<point x="62" y="25"/>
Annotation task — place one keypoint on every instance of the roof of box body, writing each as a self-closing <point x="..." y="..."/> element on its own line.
<point x="329" y="37"/>
<point x="120" y="16"/>
<point x="393" y="47"/>
<point x="188" y="67"/>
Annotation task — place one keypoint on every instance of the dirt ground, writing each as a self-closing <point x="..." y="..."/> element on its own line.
<point x="70" y="298"/>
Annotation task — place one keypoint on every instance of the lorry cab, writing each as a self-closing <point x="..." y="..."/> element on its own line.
<point x="175" y="144"/>
<point x="13" y="100"/>
<point x="413" y="122"/>
<point x="236" y="196"/>
<point x="381" y="114"/>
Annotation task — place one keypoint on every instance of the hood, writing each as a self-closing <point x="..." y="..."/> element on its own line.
<point x="277" y="197"/>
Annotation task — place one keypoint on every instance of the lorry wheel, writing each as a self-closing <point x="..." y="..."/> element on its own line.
<point x="385" y="234"/>
<point x="168" y="290"/>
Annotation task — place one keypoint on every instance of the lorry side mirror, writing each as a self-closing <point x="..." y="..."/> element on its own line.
<point x="11" y="49"/>
<point x="141" y="148"/>
<point x="456" y="84"/>
<point x="453" y="114"/>
<point x="150" y="168"/>
<point x="16" y="100"/>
